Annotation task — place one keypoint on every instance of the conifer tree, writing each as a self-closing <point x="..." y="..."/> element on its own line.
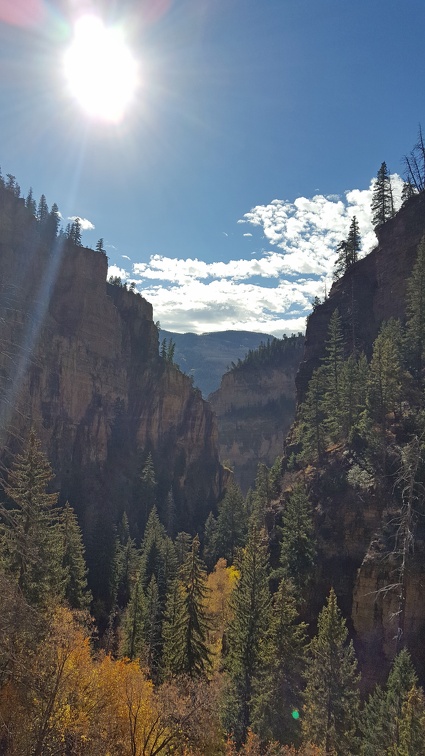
<point x="210" y="554"/>
<point x="261" y="497"/>
<point x="381" y="717"/>
<point x="415" y="310"/>
<point x="132" y="634"/>
<point x="331" y="695"/>
<point x="30" y="203"/>
<point x="311" y="426"/>
<point x="73" y="562"/>
<point x="99" y="246"/>
<point x="298" y="552"/>
<point x="125" y="563"/>
<point x="42" y="210"/>
<point x="382" y="197"/>
<point x="231" y="523"/>
<point x="348" y="250"/>
<point x="332" y="368"/>
<point x="152" y="627"/>
<point x="53" y="223"/>
<point x="30" y="537"/>
<point x="250" y="604"/>
<point x="185" y="633"/>
<point x="148" y="487"/>
<point x="412" y="724"/>
<point x="277" y="684"/>
<point x="385" y="375"/>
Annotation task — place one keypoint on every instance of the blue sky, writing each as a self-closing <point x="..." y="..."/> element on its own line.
<point x="254" y="138"/>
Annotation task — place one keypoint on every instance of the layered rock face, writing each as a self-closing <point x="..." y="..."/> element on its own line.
<point x="79" y="363"/>
<point x="255" y="406"/>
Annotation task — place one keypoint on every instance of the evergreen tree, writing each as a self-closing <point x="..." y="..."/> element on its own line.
<point x="407" y="192"/>
<point x="353" y="392"/>
<point x="382" y="197"/>
<point x="332" y="368"/>
<point x="152" y="627"/>
<point x="185" y="633"/>
<point x="415" y="310"/>
<point x="30" y="203"/>
<point x="298" y="552"/>
<point x="231" y="523"/>
<point x="210" y="534"/>
<point x="73" y="562"/>
<point x="42" y="210"/>
<point x="99" y="246"/>
<point x="125" y="563"/>
<point x="331" y="694"/>
<point x="412" y="724"/>
<point x="381" y="717"/>
<point x="277" y="684"/>
<point x="348" y="250"/>
<point x="53" y="223"/>
<point x="148" y="487"/>
<point x="311" y="430"/>
<point x="30" y="536"/>
<point x="385" y="375"/>
<point x="250" y="604"/>
<point x="182" y="544"/>
<point x="75" y="232"/>
<point x="132" y="634"/>
<point x="261" y="497"/>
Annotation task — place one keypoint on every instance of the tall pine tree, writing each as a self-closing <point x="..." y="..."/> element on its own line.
<point x="382" y="197"/>
<point x="331" y="694"/>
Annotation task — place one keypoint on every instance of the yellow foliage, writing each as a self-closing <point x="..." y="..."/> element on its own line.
<point x="221" y="583"/>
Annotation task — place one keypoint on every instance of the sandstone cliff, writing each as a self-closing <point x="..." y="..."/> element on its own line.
<point x="255" y="406"/>
<point x="79" y="362"/>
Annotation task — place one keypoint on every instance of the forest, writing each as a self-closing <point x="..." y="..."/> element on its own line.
<point x="218" y="642"/>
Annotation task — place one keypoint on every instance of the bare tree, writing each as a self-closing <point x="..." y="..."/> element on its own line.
<point x="414" y="164"/>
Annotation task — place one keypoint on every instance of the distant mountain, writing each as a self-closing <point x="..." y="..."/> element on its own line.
<point x="208" y="356"/>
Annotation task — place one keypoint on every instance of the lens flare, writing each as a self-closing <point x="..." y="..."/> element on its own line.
<point x="100" y="70"/>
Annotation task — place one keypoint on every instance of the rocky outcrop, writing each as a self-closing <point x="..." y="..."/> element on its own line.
<point x="349" y="504"/>
<point x="255" y="406"/>
<point x="79" y="362"/>
<point x="373" y="290"/>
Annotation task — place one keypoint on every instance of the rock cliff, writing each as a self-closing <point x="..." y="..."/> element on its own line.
<point x="351" y="513"/>
<point x="255" y="406"/>
<point x="79" y="362"/>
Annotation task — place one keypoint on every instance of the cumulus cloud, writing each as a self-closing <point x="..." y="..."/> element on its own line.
<point x="117" y="272"/>
<point x="85" y="224"/>
<point x="273" y="292"/>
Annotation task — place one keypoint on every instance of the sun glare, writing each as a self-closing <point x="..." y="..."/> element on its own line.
<point x="100" y="69"/>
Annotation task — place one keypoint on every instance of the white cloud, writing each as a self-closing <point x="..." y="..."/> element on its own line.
<point x="117" y="272"/>
<point x="273" y="292"/>
<point x="85" y="224"/>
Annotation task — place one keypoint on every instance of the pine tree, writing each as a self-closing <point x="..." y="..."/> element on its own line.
<point x="30" y="203"/>
<point x="76" y="592"/>
<point x="415" y="310"/>
<point x="277" y="684"/>
<point x="185" y="632"/>
<point x="99" y="246"/>
<point x="30" y="536"/>
<point x="385" y="374"/>
<point x="382" y="197"/>
<point x="412" y="724"/>
<point x="250" y="604"/>
<point x="261" y="497"/>
<point x="53" y="222"/>
<point x="331" y="694"/>
<point x="132" y="633"/>
<point x="75" y="232"/>
<point x="297" y="556"/>
<point x="348" y="250"/>
<point x="125" y="563"/>
<point x="332" y="368"/>
<point x="311" y="431"/>
<point x="148" y="487"/>
<point x="210" y="554"/>
<point x="380" y="720"/>
<point x="42" y="210"/>
<point x="231" y="523"/>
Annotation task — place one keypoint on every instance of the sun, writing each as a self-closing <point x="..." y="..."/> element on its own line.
<point x="100" y="70"/>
